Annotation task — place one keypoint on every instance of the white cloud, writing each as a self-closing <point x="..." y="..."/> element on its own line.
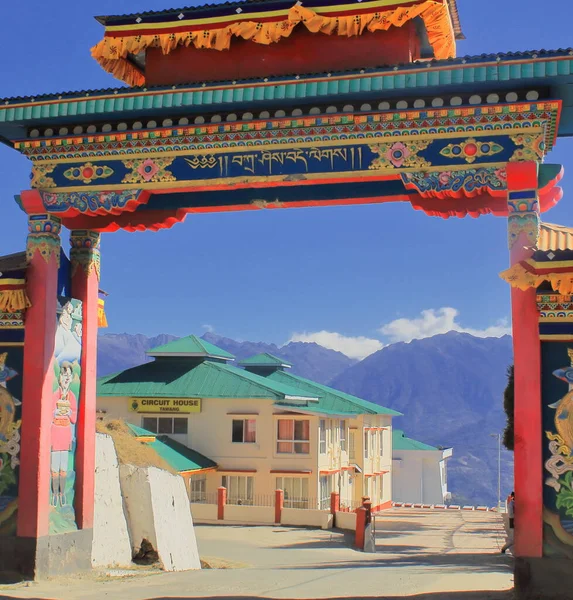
<point x="435" y="321"/>
<point x="354" y="347"/>
<point x="208" y="328"/>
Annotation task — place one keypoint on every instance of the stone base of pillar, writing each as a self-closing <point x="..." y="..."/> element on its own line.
<point x="48" y="556"/>
<point x="547" y="578"/>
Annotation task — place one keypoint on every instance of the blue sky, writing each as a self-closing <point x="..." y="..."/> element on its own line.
<point x="341" y="276"/>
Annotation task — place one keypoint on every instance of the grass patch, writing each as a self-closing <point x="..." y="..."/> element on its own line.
<point x="131" y="451"/>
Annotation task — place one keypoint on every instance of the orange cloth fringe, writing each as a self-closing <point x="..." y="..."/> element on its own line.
<point x="520" y="277"/>
<point x="112" y="52"/>
<point x="12" y="301"/>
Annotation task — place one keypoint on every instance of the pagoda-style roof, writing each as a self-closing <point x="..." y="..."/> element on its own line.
<point x="190" y="346"/>
<point x="265" y="359"/>
<point x="128" y="38"/>
<point x="553" y="238"/>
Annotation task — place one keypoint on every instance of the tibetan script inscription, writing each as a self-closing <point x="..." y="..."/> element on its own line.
<point x="279" y="162"/>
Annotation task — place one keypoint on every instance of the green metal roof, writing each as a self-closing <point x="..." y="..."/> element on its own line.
<point x="176" y="455"/>
<point x="401" y="442"/>
<point x="190" y="346"/>
<point x="181" y="378"/>
<point x="331" y="400"/>
<point x="265" y="360"/>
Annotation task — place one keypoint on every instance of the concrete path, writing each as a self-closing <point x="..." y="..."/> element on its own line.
<point x="447" y="555"/>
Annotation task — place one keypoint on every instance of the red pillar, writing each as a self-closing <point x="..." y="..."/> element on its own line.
<point x="221" y="502"/>
<point x="360" y="528"/>
<point x="279" y="503"/>
<point x="85" y="259"/>
<point x="43" y="255"/>
<point x="334" y="502"/>
<point x="523" y="225"/>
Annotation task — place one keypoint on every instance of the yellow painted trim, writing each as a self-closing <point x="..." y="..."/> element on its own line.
<point x="556" y="338"/>
<point x="12" y="281"/>
<point x="252" y="16"/>
<point x="11" y="344"/>
<point x="560" y="264"/>
<point x="259" y="179"/>
<point x="196" y="471"/>
<point x="556" y="319"/>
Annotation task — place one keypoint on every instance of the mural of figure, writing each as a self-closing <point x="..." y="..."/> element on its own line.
<point x="8" y="403"/>
<point x="68" y="345"/>
<point x="65" y="412"/>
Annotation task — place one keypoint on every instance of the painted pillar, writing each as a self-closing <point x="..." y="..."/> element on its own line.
<point x="279" y="504"/>
<point x="43" y="256"/>
<point x="523" y="233"/>
<point x="85" y="259"/>
<point x="221" y="502"/>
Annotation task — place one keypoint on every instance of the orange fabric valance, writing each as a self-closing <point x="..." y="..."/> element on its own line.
<point x="13" y="297"/>
<point x="524" y="276"/>
<point x="113" y="51"/>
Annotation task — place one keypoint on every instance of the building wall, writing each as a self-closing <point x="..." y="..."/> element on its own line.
<point x="417" y="476"/>
<point x="210" y="433"/>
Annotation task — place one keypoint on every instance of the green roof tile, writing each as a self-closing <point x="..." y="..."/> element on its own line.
<point x="401" y="442"/>
<point x="190" y="346"/>
<point x="334" y="401"/>
<point x="179" y="378"/>
<point x="179" y="457"/>
<point x="265" y="360"/>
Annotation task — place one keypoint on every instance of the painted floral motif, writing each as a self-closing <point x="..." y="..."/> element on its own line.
<point x="40" y="176"/>
<point x="88" y="173"/>
<point x="471" y="149"/>
<point x="44" y="237"/>
<point x="527" y="223"/>
<point x="534" y="147"/>
<point x="452" y="182"/>
<point x="85" y="252"/>
<point x="86" y="202"/>
<point x="399" y="155"/>
<point x="149" y="170"/>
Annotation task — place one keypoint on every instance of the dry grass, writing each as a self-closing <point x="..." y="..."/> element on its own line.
<point x="131" y="451"/>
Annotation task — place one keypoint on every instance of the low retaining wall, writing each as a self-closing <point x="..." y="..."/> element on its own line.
<point x="262" y="515"/>
<point x="307" y="518"/>
<point x="203" y="512"/>
<point x="345" y="520"/>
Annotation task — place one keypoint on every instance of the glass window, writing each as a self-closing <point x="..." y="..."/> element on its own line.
<point x="352" y="445"/>
<point x="366" y="443"/>
<point x="293" y="436"/>
<point x="381" y="432"/>
<point x="165" y="426"/>
<point x="149" y="423"/>
<point x="244" y="431"/>
<point x="322" y="436"/>
<point x="198" y="488"/>
<point x="180" y="426"/>
<point x="240" y="489"/>
<point x="343" y="435"/>
<point x="325" y="490"/>
<point x="295" y="491"/>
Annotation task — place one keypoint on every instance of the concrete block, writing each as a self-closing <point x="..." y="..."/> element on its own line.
<point x="158" y="511"/>
<point x="111" y="546"/>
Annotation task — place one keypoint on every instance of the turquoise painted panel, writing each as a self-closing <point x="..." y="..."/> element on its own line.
<point x="280" y="91"/>
<point x="492" y="73"/>
<point x="311" y="89"/>
<point x="53" y="110"/>
<point x="217" y="96"/>
<point x="290" y="91"/>
<point x="366" y="85"/>
<point x="333" y="87"/>
<point x="36" y="112"/>
<point x="321" y="88"/>
<point x="269" y="92"/>
<point x="138" y="103"/>
<point x="503" y="72"/>
<point x="515" y="71"/>
<point x="168" y="101"/>
<point x="400" y="82"/>
<point x="128" y="104"/>
<point x="344" y="86"/>
<point x="480" y="74"/>
<point x="207" y="97"/>
<point x="177" y="99"/>
<point x="445" y="77"/>
<point x="386" y="83"/>
<point x="188" y="98"/>
<point x="563" y="67"/>
<point x="18" y="113"/>
<point x="258" y="93"/>
<point x="248" y="94"/>
<point x="228" y="95"/>
<point x="526" y="71"/>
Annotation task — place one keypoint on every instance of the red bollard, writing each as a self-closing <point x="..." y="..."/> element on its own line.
<point x="279" y="503"/>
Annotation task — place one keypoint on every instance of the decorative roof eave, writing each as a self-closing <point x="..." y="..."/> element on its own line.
<point x="554" y="237"/>
<point x="414" y="79"/>
<point x="528" y="274"/>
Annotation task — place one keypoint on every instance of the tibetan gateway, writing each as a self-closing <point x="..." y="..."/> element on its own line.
<point x="314" y="104"/>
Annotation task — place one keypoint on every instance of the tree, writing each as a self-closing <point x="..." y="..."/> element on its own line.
<point x="508" y="406"/>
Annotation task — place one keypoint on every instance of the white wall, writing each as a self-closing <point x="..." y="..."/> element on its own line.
<point x="417" y="476"/>
<point x="111" y="544"/>
<point x="306" y="518"/>
<point x="158" y="510"/>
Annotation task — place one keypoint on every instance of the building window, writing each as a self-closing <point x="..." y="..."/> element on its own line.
<point x="351" y="445"/>
<point x="244" y="431"/>
<point x="366" y="444"/>
<point x="295" y="491"/>
<point x="381" y="432"/>
<point x="325" y="484"/>
<point x="165" y="425"/>
<point x="293" y="436"/>
<point x="322" y="436"/>
<point x="198" y="488"/>
<point x="343" y="435"/>
<point x="240" y="489"/>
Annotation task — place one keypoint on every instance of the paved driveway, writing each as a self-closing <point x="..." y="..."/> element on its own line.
<point x="419" y="552"/>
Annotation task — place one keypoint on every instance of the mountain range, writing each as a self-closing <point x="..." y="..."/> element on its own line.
<point x="449" y="388"/>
